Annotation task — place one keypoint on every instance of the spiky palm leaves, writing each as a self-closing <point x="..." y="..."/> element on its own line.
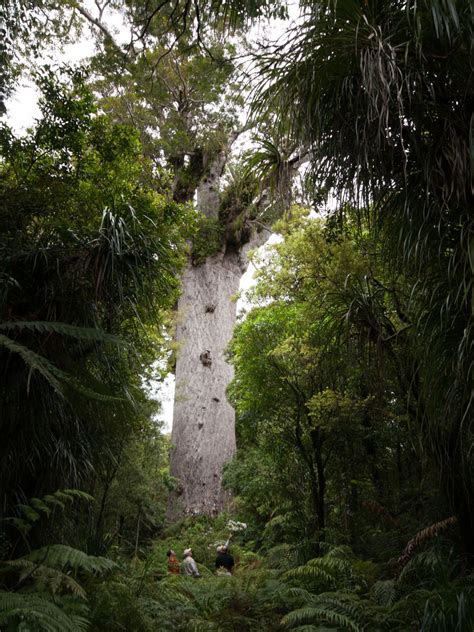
<point x="383" y="93"/>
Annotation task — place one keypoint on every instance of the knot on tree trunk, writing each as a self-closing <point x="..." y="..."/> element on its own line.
<point x="205" y="358"/>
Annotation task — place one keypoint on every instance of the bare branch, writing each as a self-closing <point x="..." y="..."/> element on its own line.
<point x="97" y="23"/>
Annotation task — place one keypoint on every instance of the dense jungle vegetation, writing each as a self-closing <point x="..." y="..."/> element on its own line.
<point x="352" y="489"/>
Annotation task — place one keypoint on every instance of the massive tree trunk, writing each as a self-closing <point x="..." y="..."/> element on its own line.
<point x="203" y="434"/>
<point x="203" y="437"/>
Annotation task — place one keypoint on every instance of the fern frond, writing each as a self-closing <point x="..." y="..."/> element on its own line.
<point x="73" y="494"/>
<point x="29" y="513"/>
<point x="40" y="505"/>
<point x="38" y="613"/>
<point x="42" y="576"/>
<point x="328" y="570"/>
<point x="61" y="556"/>
<point x="341" y="551"/>
<point x="427" y="568"/>
<point x="34" y="362"/>
<point x="286" y="556"/>
<point x="422" y="537"/>
<point x="64" y="329"/>
<point x="312" y="628"/>
<point x="385" y="592"/>
<point x="320" y="613"/>
<point x="341" y="609"/>
<point x="313" y="572"/>
<point x="52" y="374"/>
<point x="53" y="500"/>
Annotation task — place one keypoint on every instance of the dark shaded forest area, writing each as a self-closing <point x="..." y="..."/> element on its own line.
<point x="326" y="430"/>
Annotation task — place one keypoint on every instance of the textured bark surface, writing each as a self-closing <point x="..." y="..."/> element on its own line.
<point x="203" y="435"/>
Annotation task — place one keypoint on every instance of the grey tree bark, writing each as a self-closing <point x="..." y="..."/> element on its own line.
<point x="203" y="433"/>
<point x="203" y="436"/>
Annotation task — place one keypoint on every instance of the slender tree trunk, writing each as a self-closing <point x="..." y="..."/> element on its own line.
<point x="137" y="536"/>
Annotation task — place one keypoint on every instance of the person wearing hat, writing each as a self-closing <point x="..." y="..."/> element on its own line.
<point x="188" y="565"/>
<point x="224" y="561"/>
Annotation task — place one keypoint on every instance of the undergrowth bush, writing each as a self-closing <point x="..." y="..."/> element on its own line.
<point x="61" y="589"/>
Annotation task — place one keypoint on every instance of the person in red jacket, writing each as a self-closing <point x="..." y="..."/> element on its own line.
<point x="173" y="563"/>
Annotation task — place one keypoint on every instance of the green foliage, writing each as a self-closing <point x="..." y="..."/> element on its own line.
<point x="45" y="589"/>
<point x="341" y="610"/>
<point x="182" y="99"/>
<point x="352" y="374"/>
<point x="378" y="91"/>
<point x="60" y="556"/>
<point x="132" y="491"/>
<point x="325" y="570"/>
<point x="29" y="514"/>
<point x="33" y="612"/>
<point x="142" y="596"/>
<point x="91" y="248"/>
<point x="207" y="240"/>
<point x="323" y="370"/>
<point x="317" y="389"/>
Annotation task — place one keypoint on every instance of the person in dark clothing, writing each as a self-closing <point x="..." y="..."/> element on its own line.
<point x="224" y="561"/>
